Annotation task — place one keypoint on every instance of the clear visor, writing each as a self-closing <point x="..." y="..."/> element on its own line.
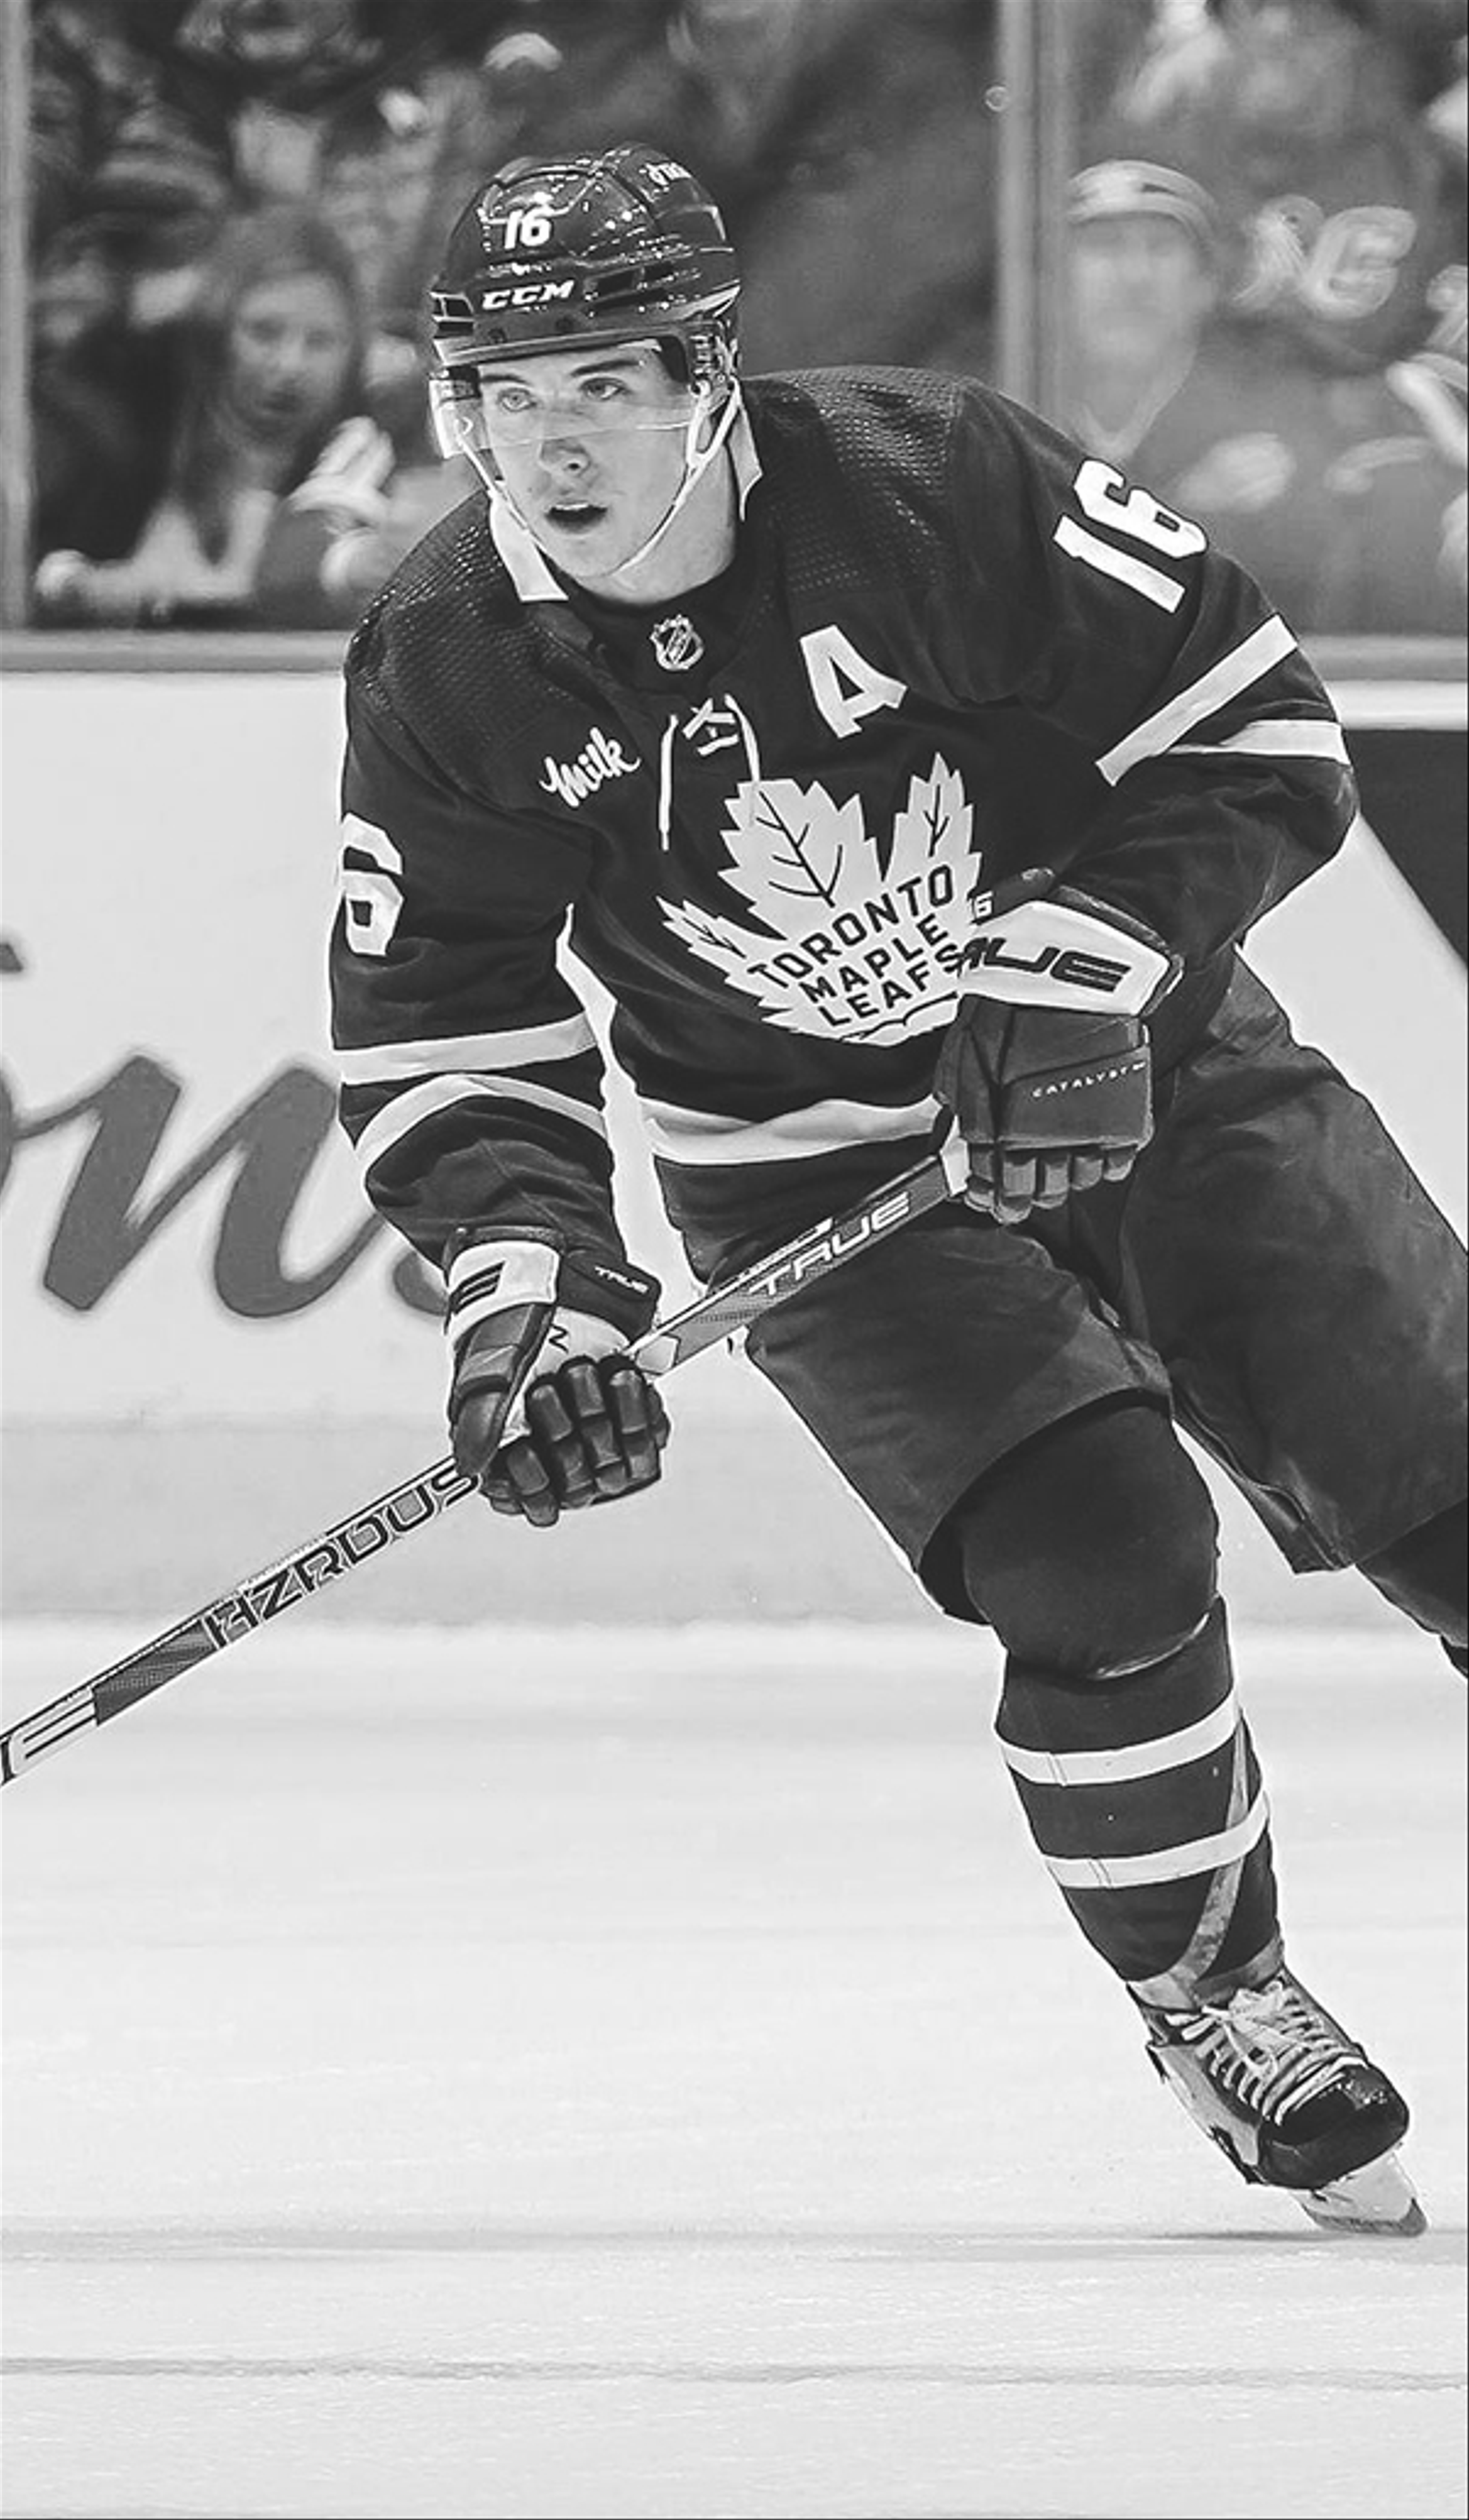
<point x="494" y="415"/>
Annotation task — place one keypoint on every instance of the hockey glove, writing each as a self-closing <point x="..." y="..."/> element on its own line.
<point x="1047" y="1065"/>
<point x="545" y="1410"/>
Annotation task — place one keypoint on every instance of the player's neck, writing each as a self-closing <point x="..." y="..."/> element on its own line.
<point x="697" y="545"/>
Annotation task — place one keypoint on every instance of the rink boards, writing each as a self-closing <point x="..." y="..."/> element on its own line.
<point x="213" y="1348"/>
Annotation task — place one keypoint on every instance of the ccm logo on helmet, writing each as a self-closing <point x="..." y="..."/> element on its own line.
<point x="529" y="292"/>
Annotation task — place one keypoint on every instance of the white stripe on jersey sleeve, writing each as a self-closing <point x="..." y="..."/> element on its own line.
<point x="1316" y="739"/>
<point x="682" y="1136"/>
<point x="419" y="1103"/>
<point x="1233" y="673"/>
<point x="534" y="1046"/>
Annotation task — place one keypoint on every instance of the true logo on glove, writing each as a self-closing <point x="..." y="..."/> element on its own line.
<point x="631" y="1282"/>
<point x="1063" y="952"/>
<point x="1065" y="963"/>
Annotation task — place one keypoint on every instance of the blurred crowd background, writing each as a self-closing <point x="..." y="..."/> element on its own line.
<point x="236" y="206"/>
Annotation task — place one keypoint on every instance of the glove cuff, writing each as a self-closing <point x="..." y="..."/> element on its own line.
<point x="1072" y="954"/>
<point x="501" y="1273"/>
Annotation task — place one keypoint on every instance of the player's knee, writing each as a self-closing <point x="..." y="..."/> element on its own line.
<point x="1093" y="1550"/>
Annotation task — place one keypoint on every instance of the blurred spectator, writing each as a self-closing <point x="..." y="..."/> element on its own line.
<point x="852" y="150"/>
<point x="84" y="71"/>
<point x="1108" y="42"/>
<point x="1447" y="112"/>
<point x="156" y="122"/>
<point x="330" y="544"/>
<point x="1327" y="488"/>
<point x="1176" y="49"/>
<point x="1344" y="205"/>
<point x="270" y="404"/>
<point x="94" y="389"/>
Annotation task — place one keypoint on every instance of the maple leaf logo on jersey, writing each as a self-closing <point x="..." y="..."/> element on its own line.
<point x="853" y="945"/>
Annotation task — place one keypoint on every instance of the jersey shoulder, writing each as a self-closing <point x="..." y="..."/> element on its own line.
<point x="444" y="628"/>
<point x="864" y="466"/>
<point x="873" y="415"/>
<point x="882" y="431"/>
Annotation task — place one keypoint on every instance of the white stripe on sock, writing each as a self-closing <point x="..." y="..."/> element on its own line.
<point x="1133" y="1758"/>
<point x="1169" y="1864"/>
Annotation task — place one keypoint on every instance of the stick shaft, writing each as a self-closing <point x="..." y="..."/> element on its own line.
<point x="420" y="1498"/>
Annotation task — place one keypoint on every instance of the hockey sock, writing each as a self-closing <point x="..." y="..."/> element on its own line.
<point x="1144" y="1798"/>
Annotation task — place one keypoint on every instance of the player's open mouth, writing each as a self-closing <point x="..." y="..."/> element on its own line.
<point x="575" y="516"/>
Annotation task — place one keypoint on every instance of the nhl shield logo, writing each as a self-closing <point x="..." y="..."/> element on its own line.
<point x="676" y="643"/>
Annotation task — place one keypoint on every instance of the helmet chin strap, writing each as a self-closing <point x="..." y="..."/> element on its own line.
<point x="696" y="462"/>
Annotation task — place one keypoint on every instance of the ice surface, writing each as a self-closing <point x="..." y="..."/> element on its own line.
<point x="543" y="2073"/>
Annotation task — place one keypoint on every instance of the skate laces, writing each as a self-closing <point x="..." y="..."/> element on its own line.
<point x="1269" y="2047"/>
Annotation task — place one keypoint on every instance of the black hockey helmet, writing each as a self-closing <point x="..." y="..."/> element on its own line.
<point x="623" y="246"/>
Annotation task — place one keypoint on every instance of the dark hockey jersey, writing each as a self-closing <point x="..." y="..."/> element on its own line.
<point x="951" y="646"/>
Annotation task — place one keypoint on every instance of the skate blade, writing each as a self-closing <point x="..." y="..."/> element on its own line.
<point x="1378" y="2200"/>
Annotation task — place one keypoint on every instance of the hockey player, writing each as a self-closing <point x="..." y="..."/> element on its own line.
<point x="898" y="768"/>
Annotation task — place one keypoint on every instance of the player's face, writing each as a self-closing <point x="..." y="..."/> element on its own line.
<point x="591" y="447"/>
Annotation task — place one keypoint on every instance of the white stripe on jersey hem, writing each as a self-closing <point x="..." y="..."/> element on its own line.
<point x="1169" y="1864"/>
<point x="409" y="1110"/>
<point x="1318" y="739"/>
<point x="531" y="1047"/>
<point x="1233" y="673"/>
<point x="1136" y="1759"/>
<point x="684" y="1137"/>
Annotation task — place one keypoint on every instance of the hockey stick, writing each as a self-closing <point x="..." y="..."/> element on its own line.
<point x="422" y="1499"/>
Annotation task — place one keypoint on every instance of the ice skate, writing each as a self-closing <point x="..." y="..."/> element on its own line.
<point x="1294" y="2102"/>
